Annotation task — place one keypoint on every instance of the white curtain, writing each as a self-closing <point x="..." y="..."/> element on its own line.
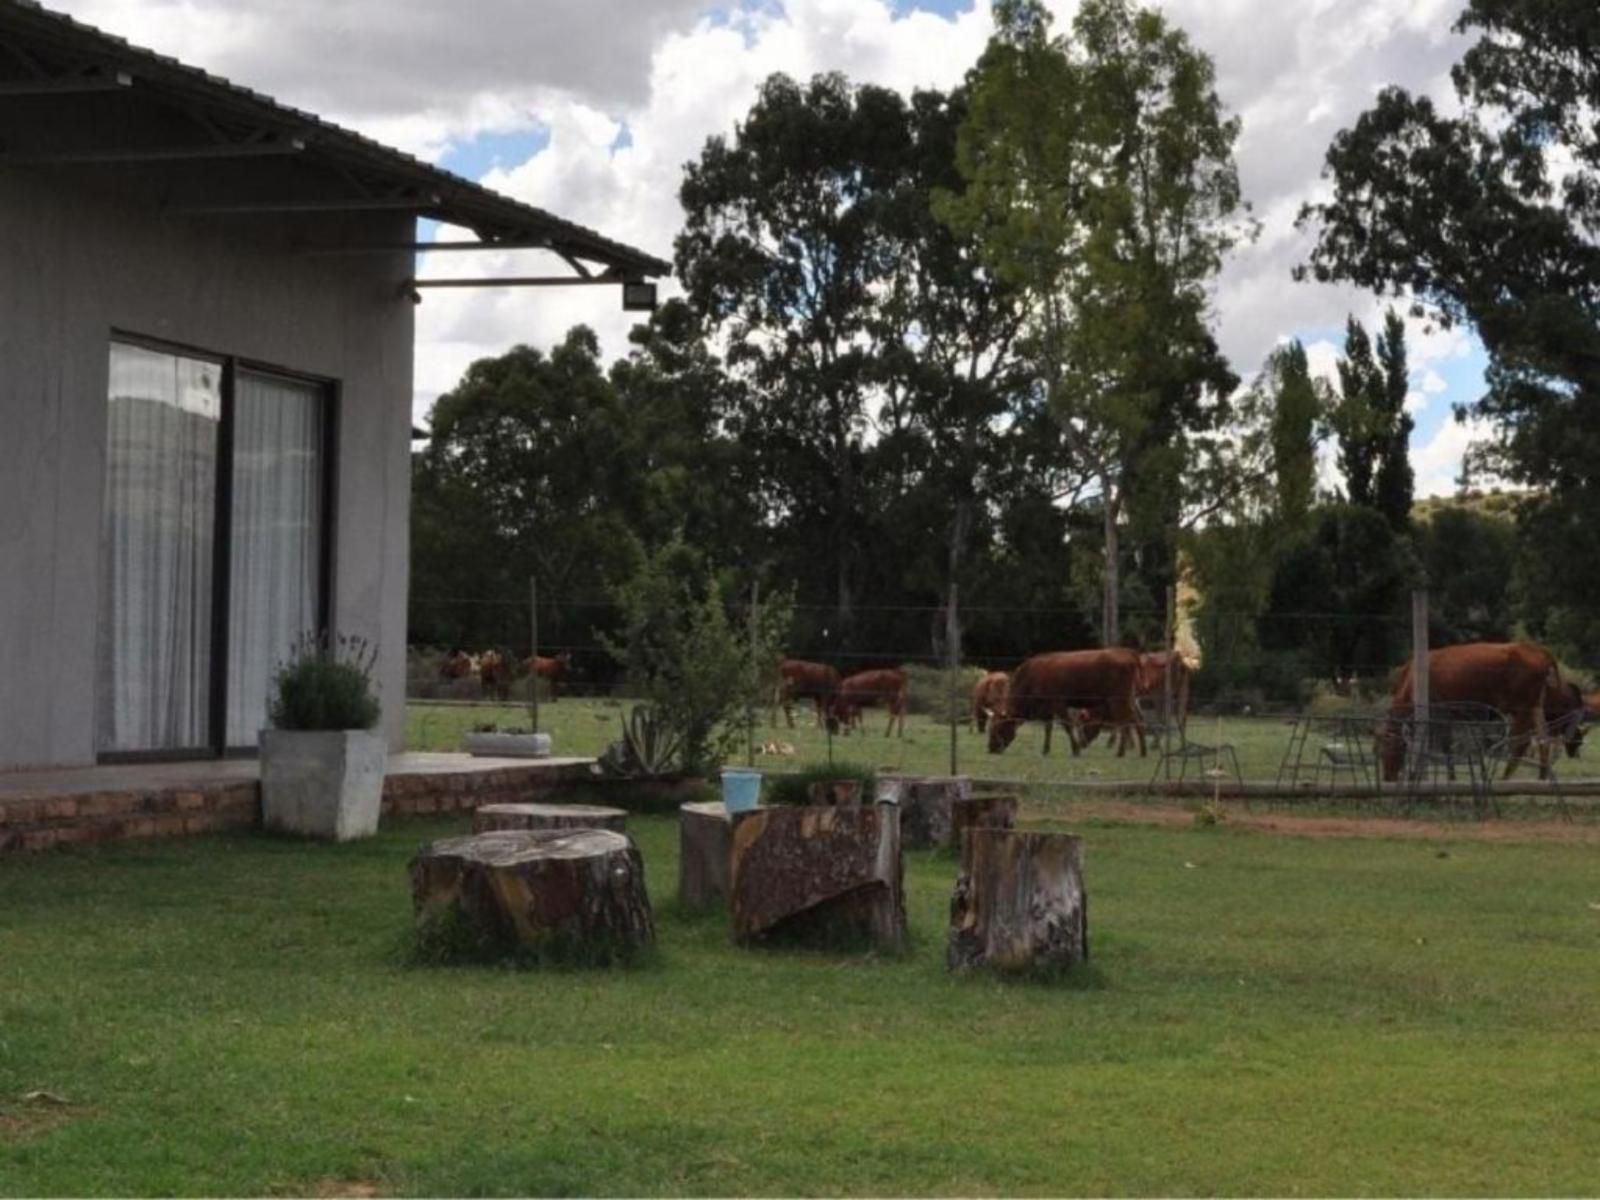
<point x="276" y="530"/>
<point x="155" y="599"/>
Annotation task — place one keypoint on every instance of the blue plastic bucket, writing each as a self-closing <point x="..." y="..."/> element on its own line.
<point x="741" y="789"/>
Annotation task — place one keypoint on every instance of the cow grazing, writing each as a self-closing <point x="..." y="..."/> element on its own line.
<point x="801" y="680"/>
<point x="1518" y="679"/>
<point x="551" y="669"/>
<point x="988" y="695"/>
<point x="496" y="670"/>
<point x="870" y="689"/>
<point x="1047" y="687"/>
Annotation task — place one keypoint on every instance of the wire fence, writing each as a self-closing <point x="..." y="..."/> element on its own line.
<point x="1300" y="719"/>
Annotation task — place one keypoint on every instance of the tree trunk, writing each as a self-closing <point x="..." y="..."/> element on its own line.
<point x="975" y="812"/>
<point x="1019" y="904"/>
<point x="570" y="895"/>
<point x="925" y="809"/>
<point x="705" y="845"/>
<point x="1112" y="623"/>
<point x="548" y="816"/>
<point x="820" y="875"/>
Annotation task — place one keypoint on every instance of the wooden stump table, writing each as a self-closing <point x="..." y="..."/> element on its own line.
<point x="1019" y="904"/>
<point x="705" y="845"/>
<point x="573" y="894"/>
<point x="548" y="816"/>
<point x="980" y="812"/>
<point x="821" y="874"/>
<point x="926" y="803"/>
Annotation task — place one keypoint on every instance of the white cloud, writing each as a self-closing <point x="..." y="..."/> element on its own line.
<point x="1437" y="462"/>
<point x="425" y="75"/>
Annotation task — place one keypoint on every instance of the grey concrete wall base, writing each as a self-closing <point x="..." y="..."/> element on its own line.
<point x="507" y="745"/>
<point x="322" y="784"/>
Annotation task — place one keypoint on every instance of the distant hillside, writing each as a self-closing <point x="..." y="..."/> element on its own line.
<point x="1492" y="503"/>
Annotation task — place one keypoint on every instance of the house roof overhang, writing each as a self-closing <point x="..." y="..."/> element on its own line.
<point x="74" y="97"/>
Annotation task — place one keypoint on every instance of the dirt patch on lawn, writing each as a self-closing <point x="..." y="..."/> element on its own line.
<point x="1237" y="816"/>
<point x="361" y="1189"/>
<point x="27" y="1120"/>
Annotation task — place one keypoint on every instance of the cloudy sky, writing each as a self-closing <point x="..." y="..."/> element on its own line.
<point x="590" y="108"/>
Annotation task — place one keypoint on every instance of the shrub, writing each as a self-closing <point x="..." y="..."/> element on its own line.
<point x="796" y="788"/>
<point x="701" y="670"/>
<point x="325" y="685"/>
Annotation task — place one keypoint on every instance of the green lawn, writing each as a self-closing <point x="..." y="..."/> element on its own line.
<point x="585" y="727"/>
<point x="1263" y="1015"/>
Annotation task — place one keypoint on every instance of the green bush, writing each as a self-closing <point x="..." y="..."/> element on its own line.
<point x="796" y="788"/>
<point x="325" y="685"/>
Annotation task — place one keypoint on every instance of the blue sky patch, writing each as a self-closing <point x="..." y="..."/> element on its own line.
<point x="477" y="157"/>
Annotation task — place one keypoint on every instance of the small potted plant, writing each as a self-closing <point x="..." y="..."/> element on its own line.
<point x="322" y="760"/>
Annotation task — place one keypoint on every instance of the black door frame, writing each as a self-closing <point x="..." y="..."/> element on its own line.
<point x="222" y="535"/>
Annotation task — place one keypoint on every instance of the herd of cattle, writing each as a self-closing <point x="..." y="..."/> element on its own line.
<point x="1087" y="691"/>
<point x="496" y="670"/>
<point x="1090" y="691"/>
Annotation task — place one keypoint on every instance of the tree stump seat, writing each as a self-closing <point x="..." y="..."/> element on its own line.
<point x="927" y="808"/>
<point x="705" y="846"/>
<point x="988" y="811"/>
<point x="1019" y="903"/>
<point x="819" y="874"/>
<point x="573" y="894"/>
<point x="548" y="816"/>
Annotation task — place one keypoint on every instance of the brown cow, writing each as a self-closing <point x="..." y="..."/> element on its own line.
<point x="802" y="680"/>
<point x="1085" y="724"/>
<point x="1519" y="679"/>
<point x="1047" y="687"/>
<point x="867" y="689"/>
<point x="551" y="669"/>
<point x="458" y="664"/>
<point x="495" y="671"/>
<point x="988" y="696"/>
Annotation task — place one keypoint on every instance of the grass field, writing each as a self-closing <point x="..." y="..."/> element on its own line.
<point x="1263" y="1015"/>
<point x="585" y="727"/>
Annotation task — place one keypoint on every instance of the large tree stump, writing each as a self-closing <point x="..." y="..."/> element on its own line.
<point x="548" y="816"/>
<point x="834" y="791"/>
<point x="925" y="809"/>
<point x="1019" y="904"/>
<point x="576" y="895"/>
<point x="705" y="845"/>
<point x="820" y="874"/>
<point x="974" y="812"/>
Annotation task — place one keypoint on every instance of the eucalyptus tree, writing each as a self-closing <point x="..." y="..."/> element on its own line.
<point x="1100" y="183"/>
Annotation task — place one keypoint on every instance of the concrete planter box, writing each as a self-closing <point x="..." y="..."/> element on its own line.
<point x="507" y="745"/>
<point x="322" y="784"/>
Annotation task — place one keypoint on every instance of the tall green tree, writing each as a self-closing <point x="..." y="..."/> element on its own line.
<point x="1355" y="416"/>
<point x="1487" y="215"/>
<point x="1100" y="183"/>
<point x="1394" y="483"/>
<point x="782" y="254"/>
<point x="1296" y="413"/>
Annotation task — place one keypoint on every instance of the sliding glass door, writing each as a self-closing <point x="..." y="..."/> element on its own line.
<point x="274" y="590"/>
<point x="212" y="547"/>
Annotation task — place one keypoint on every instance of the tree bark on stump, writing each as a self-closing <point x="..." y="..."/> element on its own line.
<point x="819" y="874"/>
<point x="548" y="816"/>
<point x="705" y="846"/>
<point x="577" y="895"/>
<point x="974" y="812"/>
<point x="1019" y="904"/>
<point x="925" y="809"/>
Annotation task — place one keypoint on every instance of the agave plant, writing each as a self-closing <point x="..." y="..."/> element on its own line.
<point x="648" y="747"/>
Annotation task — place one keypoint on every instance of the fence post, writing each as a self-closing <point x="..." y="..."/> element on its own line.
<point x="952" y="648"/>
<point x="1166" y="674"/>
<point x="1420" y="698"/>
<point x="755" y="671"/>
<point x="533" y="651"/>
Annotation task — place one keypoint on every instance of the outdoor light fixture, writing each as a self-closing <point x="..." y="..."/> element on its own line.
<point x="638" y="295"/>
